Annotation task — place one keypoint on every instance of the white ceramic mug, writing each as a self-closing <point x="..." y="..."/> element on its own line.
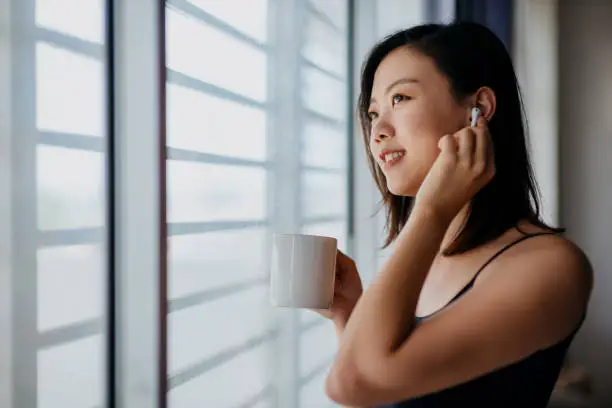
<point x="303" y="271"/>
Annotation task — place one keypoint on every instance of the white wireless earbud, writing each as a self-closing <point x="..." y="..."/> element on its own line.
<point x="475" y="115"/>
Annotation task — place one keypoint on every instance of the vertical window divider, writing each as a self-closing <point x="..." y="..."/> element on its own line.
<point x="366" y="233"/>
<point x="284" y="179"/>
<point x="6" y="209"/>
<point x="139" y="211"/>
<point x="24" y="199"/>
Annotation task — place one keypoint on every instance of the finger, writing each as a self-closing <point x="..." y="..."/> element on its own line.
<point x="482" y="122"/>
<point x="447" y="144"/>
<point x="342" y="259"/>
<point x="344" y="263"/>
<point x="466" y="146"/>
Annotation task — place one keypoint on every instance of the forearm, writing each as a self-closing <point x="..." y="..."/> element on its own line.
<point x="385" y="312"/>
<point x="340" y="325"/>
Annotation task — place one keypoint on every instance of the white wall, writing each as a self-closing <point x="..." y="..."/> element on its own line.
<point x="393" y="15"/>
<point x="535" y="49"/>
<point x="585" y="38"/>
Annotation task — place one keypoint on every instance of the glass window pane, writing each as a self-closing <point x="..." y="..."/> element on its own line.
<point x="323" y="194"/>
<point x="335" y="10"/>
<point x="225" y="323"/>
<point x="317" y="347"/>
<point x="218" y="59"/>
<point x="210" y="192"/>
<point x="312" y="394"/>
<point x="266" y="403"/>
<point x="336" y="230"/>
<point x="61" y="274"/>
<point x="323" y="94"/>
<point x="70" y="188"/>
<point x="309" y="317"/>
<point x="88" y="25"/>
<point x="70" y="285"/>
<point x="205" y="261"/>
<point x="69" y="91"/>
<point x="251" y="20"/>
<point x="228" y="385"/>
<point x="324" y="146"/>
<point x="199" y="121"/>
<point x="324" y="46"/>
<point x="72" y="375"/>
<point x="205" y="123"/>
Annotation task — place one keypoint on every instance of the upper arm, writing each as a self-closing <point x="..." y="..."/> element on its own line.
<point x="525" y="303"/>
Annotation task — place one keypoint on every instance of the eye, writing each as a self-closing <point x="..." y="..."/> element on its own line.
<point x="397" y="98"/>
<point x="372" y="116"/>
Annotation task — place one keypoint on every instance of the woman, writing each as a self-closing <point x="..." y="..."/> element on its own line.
<point x="480" y="299"/>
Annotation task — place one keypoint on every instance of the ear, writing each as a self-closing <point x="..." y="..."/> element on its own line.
<point x="485" y="99"/>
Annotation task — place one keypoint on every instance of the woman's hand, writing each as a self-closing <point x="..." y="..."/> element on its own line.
<point x="347" y="291"/>
<point x="464" y="166"/>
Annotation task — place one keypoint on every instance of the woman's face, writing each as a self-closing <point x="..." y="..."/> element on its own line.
<point x="411" y="108"/>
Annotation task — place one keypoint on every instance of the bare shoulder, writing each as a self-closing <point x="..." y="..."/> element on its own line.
<point x="553" y="254"/>
<point x="555" y="267"/>
<point x="544" y="250"/>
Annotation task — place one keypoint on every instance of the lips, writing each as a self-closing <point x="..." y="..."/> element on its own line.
<point x="390" y="157"/>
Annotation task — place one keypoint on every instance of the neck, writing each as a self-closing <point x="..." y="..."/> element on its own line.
<point x="455" y="226"/>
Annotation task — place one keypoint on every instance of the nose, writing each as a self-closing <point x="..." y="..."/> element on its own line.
<point x="382" y="130"/>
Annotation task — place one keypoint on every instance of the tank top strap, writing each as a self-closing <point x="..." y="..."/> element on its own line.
<point x="469" y="285"/>
<point x="498" y="253"/>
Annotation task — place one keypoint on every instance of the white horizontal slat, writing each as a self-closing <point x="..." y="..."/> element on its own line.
<point x="201" y="122"/>
<point x="70" y="285"/>
<point x="252" y="19"/>
<point x="71" y="375"/>
<point x="331" y="11"/>
<point x="312" y="394"/>
<point x="324" y="146"/>
<point x="201" y="332"/>
<point x="75" y="80"/>
<point x="72" y="141"/>
<point x="212" y="192"/>
<point x="308" y="317"/>
<point x="317" y="346"/>
<point x="204" y="261"/>
<point x="323" y="94"/>
<point x="88" y="25"/>
<point x="336" y="230"/>
<point x="323" y="194"/>
<point x="220" y="58"/>
<point x="70" y="186"/>
<point x="324" y="47"/>
<point x="267" y="403"/>
<point x="228" y="385"/>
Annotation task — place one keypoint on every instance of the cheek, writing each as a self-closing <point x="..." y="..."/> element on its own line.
<point x="431" y="118"/>
<point x="418" y="125"/>
<point x="371" y="145"/>
<point x="419" y="135"/>
<point x="421" y="155"/>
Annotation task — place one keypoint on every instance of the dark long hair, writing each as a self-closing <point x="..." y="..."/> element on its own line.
<point x="470" y="56"/>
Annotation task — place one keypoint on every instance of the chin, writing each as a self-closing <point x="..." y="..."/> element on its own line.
<point x="403" y="188"/>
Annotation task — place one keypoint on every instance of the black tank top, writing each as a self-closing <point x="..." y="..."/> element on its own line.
<point x="526" y="383"/>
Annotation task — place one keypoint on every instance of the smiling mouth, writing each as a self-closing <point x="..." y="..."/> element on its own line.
<point x="392" y="158"/>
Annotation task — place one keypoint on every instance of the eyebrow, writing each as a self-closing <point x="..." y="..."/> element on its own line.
<point x="395" y="83"/>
